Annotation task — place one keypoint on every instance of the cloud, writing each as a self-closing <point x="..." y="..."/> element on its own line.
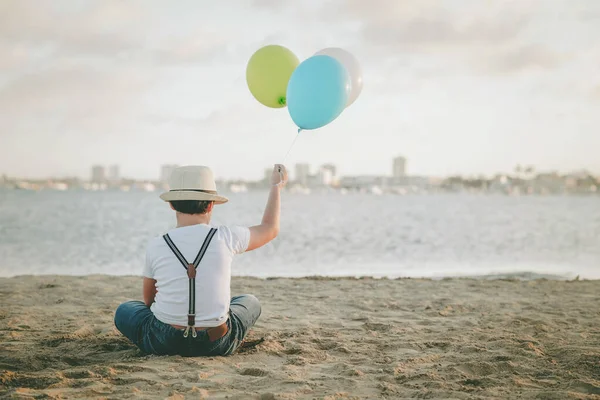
<point x="89" y="66"/>
<point x="439" y="31"/>
<point x="595" y="93"/>
<point x="524" y="58"/>
<point x="129" y="32"/>
<point x="269" y="4"/>
<point x="431" y="29"/>
<point x="72" y="98"/>
<point x="144" y="70"/>
<point x="440" y="37"/>
<point x="227" y="118"/>
<point x="478" y="37"/>
<point x="427" y="23"/>
<point x="101" y="28"/>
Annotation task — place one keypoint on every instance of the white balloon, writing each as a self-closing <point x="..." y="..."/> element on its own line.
<point x="352" y="66"/>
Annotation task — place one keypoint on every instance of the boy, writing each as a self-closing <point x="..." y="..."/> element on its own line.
<point x="187" y="309"/>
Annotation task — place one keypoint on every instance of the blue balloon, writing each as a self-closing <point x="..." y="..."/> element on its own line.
<point x="317" y="92"/>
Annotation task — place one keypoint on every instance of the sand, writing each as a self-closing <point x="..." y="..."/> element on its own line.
<point x="323" y="338"/>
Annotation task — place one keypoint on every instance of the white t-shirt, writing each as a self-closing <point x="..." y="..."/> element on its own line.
<point x="213" y="275"/>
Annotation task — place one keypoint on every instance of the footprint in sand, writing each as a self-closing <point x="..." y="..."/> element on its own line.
<point x="254" y="372"/>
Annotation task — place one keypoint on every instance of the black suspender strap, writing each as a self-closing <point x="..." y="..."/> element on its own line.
<point x="175" y="250"/>
<point x="192" y="276"/>
<point x="191" y="273"/>
<point x="200" y="255"/>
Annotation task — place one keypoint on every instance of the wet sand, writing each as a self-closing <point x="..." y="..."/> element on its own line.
<point x="323" y="338"/>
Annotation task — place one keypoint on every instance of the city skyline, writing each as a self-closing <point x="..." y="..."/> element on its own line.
<point x="305" y="173"/>
<point x="462" y="88"/>
<point x="524" y="180"/>
<point x="112" y="173"/>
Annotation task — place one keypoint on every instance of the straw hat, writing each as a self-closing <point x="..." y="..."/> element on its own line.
<point x="194" y="182"/>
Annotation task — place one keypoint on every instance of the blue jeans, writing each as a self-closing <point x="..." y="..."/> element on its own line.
<point x="135" y="320"/>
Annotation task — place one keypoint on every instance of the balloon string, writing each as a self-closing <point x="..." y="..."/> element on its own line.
<point x="290" y="149"/>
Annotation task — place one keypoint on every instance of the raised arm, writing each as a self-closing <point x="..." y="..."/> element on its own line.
<point x="269" y="227"/>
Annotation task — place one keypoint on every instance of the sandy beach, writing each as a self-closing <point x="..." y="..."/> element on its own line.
<point x="323" y="338"/>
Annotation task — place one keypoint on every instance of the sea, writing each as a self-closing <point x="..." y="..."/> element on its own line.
<point x="322" y="234"/>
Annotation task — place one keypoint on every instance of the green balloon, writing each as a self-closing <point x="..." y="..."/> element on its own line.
<point x="268" y="73"/>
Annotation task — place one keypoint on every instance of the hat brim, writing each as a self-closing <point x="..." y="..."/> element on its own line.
<point x="176" y="195"/>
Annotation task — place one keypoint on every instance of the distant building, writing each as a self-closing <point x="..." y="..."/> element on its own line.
<point x="331" y="168"/>
<point x="98" y="174"/>
<point x="267" y="175"/>
<point x="166" y="171"/>
<point x="302" y="173"/>
<point x="325" y="176"/>
<point x="114" y="174"/>
<point x="399" y="168"/>
<point x="364" y="182"/>
<point x="413" y="182"/>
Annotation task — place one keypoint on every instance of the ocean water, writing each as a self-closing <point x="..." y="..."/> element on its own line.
<point x="80" y="233"/>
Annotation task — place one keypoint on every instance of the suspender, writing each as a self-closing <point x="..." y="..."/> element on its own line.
<point x="191" y="273"/>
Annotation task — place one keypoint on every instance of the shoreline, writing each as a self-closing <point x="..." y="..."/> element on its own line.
<point x="324" y="337"/>
<point x="517" y="277"/>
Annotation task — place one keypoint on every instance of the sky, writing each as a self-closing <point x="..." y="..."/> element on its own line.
<point x="456" y="86"/>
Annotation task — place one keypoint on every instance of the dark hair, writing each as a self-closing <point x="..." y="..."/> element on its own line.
<point x="191" y="206"/>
